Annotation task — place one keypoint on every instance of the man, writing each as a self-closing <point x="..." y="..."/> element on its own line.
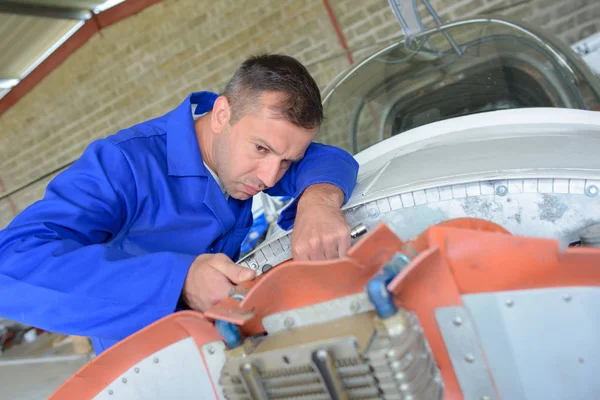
<point x="153" y="217"/>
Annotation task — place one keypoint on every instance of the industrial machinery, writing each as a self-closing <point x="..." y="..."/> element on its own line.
<point x="463" y="311"/>
<point x="473" y="272"/>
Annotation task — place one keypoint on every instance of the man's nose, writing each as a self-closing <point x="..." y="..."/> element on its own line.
<point x="269" y="172"/>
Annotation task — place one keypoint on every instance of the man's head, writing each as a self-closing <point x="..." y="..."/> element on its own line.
<point x="265" y="120"/>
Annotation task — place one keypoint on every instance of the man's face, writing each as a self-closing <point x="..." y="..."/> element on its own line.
<point x="254" y="153"/>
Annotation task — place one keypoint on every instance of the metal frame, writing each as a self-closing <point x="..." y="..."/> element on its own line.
<point x="41" y="10"/>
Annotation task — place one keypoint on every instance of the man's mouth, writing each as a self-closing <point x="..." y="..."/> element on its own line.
<point x="250" y="190"/>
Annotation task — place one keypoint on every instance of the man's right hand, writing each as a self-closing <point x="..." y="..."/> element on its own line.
<point x="210" y="278"/>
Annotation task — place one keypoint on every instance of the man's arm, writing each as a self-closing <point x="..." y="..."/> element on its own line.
<point x="56" y="272"/>
<point x="320" y="184"/>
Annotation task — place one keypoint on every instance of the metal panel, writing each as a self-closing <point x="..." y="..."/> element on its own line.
<point x="541" y="344"/>
<point x="23" y="40"/>
<point x="214" y="354"/>
<point x="175" y="372"/>
<point x="317" y="313"/>
<point x="465" y="353"/>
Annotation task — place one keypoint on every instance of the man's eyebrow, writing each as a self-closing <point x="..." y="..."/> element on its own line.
<point x="266" y="145"/>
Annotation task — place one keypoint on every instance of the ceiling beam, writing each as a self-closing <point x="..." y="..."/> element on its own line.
<point x="39" y="10"/>
<point x="8" y="83"/>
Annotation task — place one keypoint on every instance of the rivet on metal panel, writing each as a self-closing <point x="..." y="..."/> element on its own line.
<point x="469" y="358"/>
<point x="137" y="370"/>
<point x="592" y="191"/>
<point x="124" y="380"/>
<point x="457" y="321"/>
<point x="373" y="212"/>
<point x="211" y="350"/>
<point x="509" y="303"/>
<point x="266" y="267"/>
<point x="110" y="392"/>
<point x="501" y="190"/>
<point x="567" y="297"/>
<point x="288" y="322"/>
<point x="155" y="361"/>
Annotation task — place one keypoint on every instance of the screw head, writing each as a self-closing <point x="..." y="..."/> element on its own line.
<point x="501" y="190"/>
<point x="592" y="191"/>
<point x="110" y="392"/>
<point x="457" y="321"/>
<point x="288" y="322"/>
<point x="211" y="350"/>
<point x="469" y="358"/>
<point x="266" y="267"/>
<point x="155" y="361"/>
<point x="509" y="303"/>
<point x="567" y="298"/>
<point x="137" y="370"/>
<point x="124" y="380"/>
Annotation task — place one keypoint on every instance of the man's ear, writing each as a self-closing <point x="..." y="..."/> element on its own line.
<point x="221" y="115"/>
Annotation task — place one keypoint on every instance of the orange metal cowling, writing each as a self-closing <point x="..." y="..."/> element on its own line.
<point x="457" y="258"/>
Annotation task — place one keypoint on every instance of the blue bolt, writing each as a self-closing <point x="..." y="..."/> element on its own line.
<point x="230" y="333"/>
<point x="377" y="287"/>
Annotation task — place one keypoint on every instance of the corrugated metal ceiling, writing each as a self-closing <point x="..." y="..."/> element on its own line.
<point x="27" y="38"/>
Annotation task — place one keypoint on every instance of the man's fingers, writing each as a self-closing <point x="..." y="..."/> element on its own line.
<point x="344" y="245"/>
<point x="231" y="270"/>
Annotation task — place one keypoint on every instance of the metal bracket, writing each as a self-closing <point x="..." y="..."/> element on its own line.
<point x="465" y="353"/>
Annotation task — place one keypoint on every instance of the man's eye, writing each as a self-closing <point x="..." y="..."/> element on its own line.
<point x="261" y="149"/>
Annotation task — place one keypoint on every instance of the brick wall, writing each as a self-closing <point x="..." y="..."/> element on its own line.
<point x="145" y="65"/>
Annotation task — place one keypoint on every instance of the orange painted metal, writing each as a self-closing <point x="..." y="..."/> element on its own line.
<point x="452" y="259"/>
<point x="99" y="373"/>
<point x="298" y="284"/>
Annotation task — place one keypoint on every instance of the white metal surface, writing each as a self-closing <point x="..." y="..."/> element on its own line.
<point x="534" y="171"/>
<point x="317" y="313"/>
<point x="541" y="344"/>
<point x="465" y="352"/>
<point x="214" y="354"/>
<point x="175" y="372"/>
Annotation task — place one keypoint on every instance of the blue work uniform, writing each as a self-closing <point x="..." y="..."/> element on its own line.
<point x="107" y="250"/>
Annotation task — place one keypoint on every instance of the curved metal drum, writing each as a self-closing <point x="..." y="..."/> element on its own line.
<point x="536" y="172"/>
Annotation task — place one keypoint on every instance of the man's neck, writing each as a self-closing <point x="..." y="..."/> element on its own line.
<point x="205" y="140"/>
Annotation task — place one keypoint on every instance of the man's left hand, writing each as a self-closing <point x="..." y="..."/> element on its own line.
<point x="320" y="230"/>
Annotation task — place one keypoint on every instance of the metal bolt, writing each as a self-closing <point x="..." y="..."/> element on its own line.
<point x="254" y="266"/>
<point x="238" y="297"/>
<point x="373" y="212"/>
<point x="457" y="321"/>
<point x="592" y="191"/>
<point x="469" y="358"/>
<point x="137" y="370"/>
<point x="567" y="298"/>
<point x="110" y="392"/>
<point x="354" y="307"/>
<point x="211" y="350"/>
<point x="501" y="190"/>
<point x="155" y="361"/>
<point x="288" y="322"/>
<point x="266" y="267"/>
<point x="124" y="380"/>
<point x="509" y="303"/>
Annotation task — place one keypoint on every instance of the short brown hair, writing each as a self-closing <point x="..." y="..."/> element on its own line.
<point x="301" y="101"/>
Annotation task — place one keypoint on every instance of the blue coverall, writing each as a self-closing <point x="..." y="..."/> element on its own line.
<point x="106" y="251"/>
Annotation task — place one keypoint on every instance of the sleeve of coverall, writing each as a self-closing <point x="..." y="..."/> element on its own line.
<point x="57" y="274"/>
<point x="321" y="164"/>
